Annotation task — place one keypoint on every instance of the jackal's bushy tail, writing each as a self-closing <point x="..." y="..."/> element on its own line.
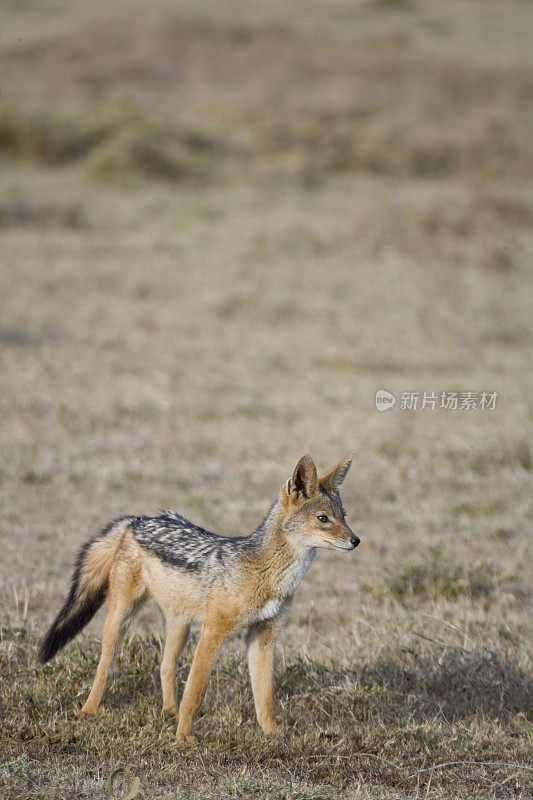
<point x="88" y="589"/>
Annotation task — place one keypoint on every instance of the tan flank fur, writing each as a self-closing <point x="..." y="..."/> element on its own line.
<point x="226" y="583"/>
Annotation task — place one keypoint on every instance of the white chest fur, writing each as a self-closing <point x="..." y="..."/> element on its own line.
<point x="270" y="609"/>
<point x="286" y="586"/>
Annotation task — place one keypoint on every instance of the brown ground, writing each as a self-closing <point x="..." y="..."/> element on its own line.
<point x="224" y="227"/>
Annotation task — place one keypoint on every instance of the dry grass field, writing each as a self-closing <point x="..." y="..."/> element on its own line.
<point x="223" y="228"/>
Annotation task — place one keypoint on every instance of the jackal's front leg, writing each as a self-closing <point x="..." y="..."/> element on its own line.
<point x="211" y="639"/>
<point x="177" y="632"/>
<point x="261" y="641"/>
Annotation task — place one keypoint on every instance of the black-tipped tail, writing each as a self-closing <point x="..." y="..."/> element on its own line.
<point x="68" y="623"/>
<point x="87" y="593"/>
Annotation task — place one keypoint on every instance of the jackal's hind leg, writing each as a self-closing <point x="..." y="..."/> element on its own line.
<point x="177" y="633"/>
<point x="125" y="595"/>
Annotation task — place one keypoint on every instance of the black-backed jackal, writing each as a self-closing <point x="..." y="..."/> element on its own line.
<point x="226" y="582"/>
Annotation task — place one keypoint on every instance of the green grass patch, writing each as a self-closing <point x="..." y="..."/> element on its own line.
<point x="438" y="575"/>
<point x="52" y="137"/>
<point x="112" y="143"/>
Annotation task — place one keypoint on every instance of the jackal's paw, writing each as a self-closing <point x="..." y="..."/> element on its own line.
<point x="190" y="738"/>
<point x="171" y="711"/>
<point x="84" y="713"/>
<point x="270" y="728"/>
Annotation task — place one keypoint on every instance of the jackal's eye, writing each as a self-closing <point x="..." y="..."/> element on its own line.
<point x="322" y="518"/>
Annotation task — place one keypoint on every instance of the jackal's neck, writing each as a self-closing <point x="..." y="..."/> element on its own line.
<point x="280" y="565"/>
<point x="270" y="536"/>
<point x="269" y="529"/>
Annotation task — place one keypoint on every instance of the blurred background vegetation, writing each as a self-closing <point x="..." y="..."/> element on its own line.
<point x="224" y="227"/>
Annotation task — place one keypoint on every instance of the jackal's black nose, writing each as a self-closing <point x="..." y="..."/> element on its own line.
<point x="355" y="540"/>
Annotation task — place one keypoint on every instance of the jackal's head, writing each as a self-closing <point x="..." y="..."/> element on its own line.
<point x="313" y="515"/>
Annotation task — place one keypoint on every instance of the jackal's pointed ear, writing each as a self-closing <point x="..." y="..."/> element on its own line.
<point x="332" y="481"/>
<point x="303" y="482"/>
